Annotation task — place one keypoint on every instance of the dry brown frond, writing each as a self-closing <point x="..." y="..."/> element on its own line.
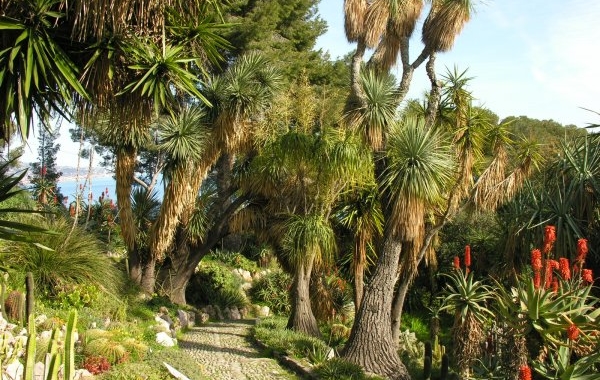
<point x="407" y="219"/>
<point x="124" y="170"/>
<point x="444" y="24"/>
<point x="376" y="21"/>
<point x="354" y="19"/>
<point x="467" y="337"/>
<point x="163" y="230"/>
<point x="485" y="193"/>
<point x="247" y="219"/>
<point x="405" y="20"/>
<point x="386" y="55"/>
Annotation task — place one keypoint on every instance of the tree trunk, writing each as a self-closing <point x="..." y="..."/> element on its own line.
<point x="163" y="229"/>
<point x="149" y="276"/>
<point x="135" y="268"/>
<point x="370" y="344"/>
<point x="302" y="318"/>
<point x="124" y="170"/>
<point x="175" y="276"/>
<point x="360" y="257"/>
<point x="399" y="298"/>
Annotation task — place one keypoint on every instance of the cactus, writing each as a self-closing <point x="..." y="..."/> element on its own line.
<point x="29" y="305"/>
<point x="427" y="368"/>
<point x="428" y="350"/>
<point x="3" y="297"/>
<point x="70" y="346"/>
<point x="30" y="350"/>
<point x="14" y="306"/>
<point x="54" y="359"/>
<point x="445" y="367"/>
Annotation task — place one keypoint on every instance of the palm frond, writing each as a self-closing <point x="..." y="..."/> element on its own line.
<point x="354" y="18"/>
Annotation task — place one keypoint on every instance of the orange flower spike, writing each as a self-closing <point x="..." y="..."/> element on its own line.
<point x="548" y="275"/>
<point x="573" y="332"/>
<point x="536" y="260"/>
<point x="549" y="238"/>
<point x="537" y="280"/>
<point x="587" y="276"/>
<point x="456" y="263"/>
<point x="467" y="256"/>
<point x="565" y="271"/>
<point x="524" y="373"/>
<point x="582" y="250"/>
<point x="554" y="285"/>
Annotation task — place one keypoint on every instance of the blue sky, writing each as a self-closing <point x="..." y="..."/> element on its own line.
<point x="538" y="58"/>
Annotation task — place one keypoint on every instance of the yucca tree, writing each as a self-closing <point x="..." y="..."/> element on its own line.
<point x="129" y="59"/>
<point x="301" y="171"/>
<point x="468" y="299"/>
<point x="418" y="171"/>
<point x="238" y="96"/>
<point x="360" y="212"/>
<point x="405" y="242"/>
<point x="183" y="138"/>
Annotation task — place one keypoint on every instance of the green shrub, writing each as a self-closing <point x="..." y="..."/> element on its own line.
<point x="272" y="290"/>
<point x="233" y="260"/>
<point x="134" y="371"/>
<point x="76" y="258"/>
<point x="272" y="332"/>
<point x="339" y="369"/>
<point x="215" y="284"/>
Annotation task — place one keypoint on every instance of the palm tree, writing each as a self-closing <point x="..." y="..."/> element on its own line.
<point x="301" y="172"/>
<point x="419" y="167"/>
<point x="361" y="213"/>
<point x="237" y="96"/>
<point x="130" y="79"/>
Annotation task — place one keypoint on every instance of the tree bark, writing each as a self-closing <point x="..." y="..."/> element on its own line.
<point x="359" y="272"/>
<point x="370" y="344"/>
<point x="124" y="170"/>
<point x="149" y="275"/>
<point x="397" y="307"/>
<point x="302" y="318"/>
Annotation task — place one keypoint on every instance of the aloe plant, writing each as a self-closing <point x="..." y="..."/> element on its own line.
<point x="54" y="358"/>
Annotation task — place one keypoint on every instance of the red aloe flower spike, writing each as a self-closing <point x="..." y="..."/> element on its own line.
<point x="537" y="280"/>
<point x="548" y="276"/>
<point x="536" y="260"/>
<point x="587" y="276"/>
<point x="549" y="238"/>
<point x="555" y="285"/>
<point x="582" y="250"/>
<point x="573" y="332"/>
<point x="524" y="372"/>
<point x="565" y="272"/>
<point x="456" y="263"/>
<point x="467" y="256"/>
<point x="553" y="264"/>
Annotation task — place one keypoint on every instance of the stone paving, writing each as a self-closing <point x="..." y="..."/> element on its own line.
<point x="224" y="353"/>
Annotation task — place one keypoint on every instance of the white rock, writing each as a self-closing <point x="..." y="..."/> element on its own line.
<point x="204" y="317"/>
<point x="165" y="340"/>
<point x="235" y="314"/>
<point x="162" y="323"/>
<point x="184" y="319"/>
<point x="38" y="371"/>
<point x="41" y="319"/>
<point x="45" y="335"/>
<point x="247" y="276"/>
<point x="14" y="370"/>
<point x="175" y="373"/>
<point x="264" y="311"/>
<point x="83" y="374"/>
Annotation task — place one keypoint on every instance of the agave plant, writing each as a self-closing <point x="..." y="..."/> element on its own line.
<point x="468" y="299"/>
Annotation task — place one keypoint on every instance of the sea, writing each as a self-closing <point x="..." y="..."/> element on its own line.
<point x="98" y="184"/>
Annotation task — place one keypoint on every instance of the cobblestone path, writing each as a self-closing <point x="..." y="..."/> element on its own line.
<point x="224" y="353"/>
